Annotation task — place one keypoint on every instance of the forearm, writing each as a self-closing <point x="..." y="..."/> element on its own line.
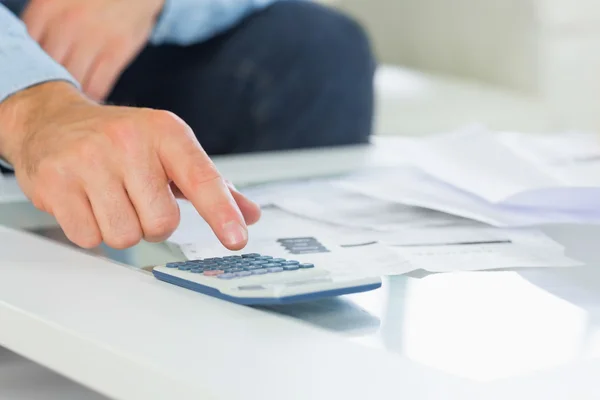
<point x="23" y="64"/>
<point x="186" y="22"/>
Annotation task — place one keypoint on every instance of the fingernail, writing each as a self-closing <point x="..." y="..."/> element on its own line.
<point x="235" y="234"/>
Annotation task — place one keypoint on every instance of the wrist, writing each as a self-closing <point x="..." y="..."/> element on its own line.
<point x="22" y="112"/>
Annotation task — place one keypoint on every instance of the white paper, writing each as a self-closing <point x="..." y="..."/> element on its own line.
<point x="324" y="202"/>
<point x="483" y="257"/>
<point x="349" y="252"/>
<point x="365" y="261"/>
<point x="387" y="221"/>
<point x="392" y="223"/>
<point x="411" y="186"/>
<point x="359" y="253"/>
<point x="273" y="222"/>
<point x="572" y="158"/>
<point x="517" y="170"/>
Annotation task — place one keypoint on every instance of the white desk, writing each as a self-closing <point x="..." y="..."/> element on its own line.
<point x="496" y="335"/>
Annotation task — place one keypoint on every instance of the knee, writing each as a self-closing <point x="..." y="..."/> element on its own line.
<point x="325" y="59"/>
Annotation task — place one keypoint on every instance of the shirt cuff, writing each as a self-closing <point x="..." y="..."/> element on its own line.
<point x="24" y="64"/>
<point x="186" y="22"/>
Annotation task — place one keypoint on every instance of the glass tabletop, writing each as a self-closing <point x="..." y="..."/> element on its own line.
<point x="483" y="326"/>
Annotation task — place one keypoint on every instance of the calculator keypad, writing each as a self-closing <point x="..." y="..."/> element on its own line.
<point x="232" y="267"/>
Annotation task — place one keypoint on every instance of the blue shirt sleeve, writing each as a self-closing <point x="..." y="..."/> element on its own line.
<point x="186" y="22"/>
<point x="22" y="62"/>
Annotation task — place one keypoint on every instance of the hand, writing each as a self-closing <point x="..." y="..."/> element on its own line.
<point x="110" y="173"/>
<point x="95" y="40"/>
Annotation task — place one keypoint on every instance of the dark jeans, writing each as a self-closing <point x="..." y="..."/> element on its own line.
<point x="294" y="75"/>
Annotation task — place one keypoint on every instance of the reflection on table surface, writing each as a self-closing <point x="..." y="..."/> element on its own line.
<point x="21" y="379"/>
<point x="483" y="326"/>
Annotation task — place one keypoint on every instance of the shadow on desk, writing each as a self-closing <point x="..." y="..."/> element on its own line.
<point x="339" y="315"/>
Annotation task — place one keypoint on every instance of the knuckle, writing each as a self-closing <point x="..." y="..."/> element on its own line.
<point x="122" y="131"/>
<point x="162" y="227"/>
<point x="74" y="14"/>
<point x="163" y="117"/>
<point x="53" y="169"/>
<point x="97" y="92"/>
<point x="124" y="240"/>
<point x="88" y="241"/>
<point x="87" y="151"/>
<point x="41" y="6"/>
<point x="170" y="121"/>
<point x="37" y="202"/>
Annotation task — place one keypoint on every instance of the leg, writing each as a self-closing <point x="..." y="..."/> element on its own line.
<point x="295" y="75"/>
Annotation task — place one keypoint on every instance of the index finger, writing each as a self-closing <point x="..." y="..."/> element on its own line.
<point x="190" y="168"/>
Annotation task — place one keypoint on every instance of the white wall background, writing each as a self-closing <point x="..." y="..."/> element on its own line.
<point x="545" y="48"/>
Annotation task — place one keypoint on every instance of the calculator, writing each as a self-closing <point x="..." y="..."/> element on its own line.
<point x="256" y="279"/>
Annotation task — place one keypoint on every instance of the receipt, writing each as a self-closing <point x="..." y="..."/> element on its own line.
<point x="478" y="257"/>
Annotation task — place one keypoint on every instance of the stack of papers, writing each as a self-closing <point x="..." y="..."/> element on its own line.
<point x="463" y="201"/>
<point x="555" y="172"/>
<point x="356" y="239"/>
<point x="502" y="179"/>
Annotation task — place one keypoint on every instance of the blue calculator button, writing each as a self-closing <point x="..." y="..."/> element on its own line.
<point x="275" y="269"/>
<point x="214" y="273"/>
<point x="251" y="255"/>
<point x="242" y="274"/>
<point x="278" y="260"/>
<point x="232" y="257"/>
<point x="196" y="270"/>
<point x="271" y="265"/>
<point x="226" y="276"/>
<point x="185" y="267"/>
<point x="292" y="267"/>
<point x="264" y="258"/>
<point x="307" y="266"/>
<point x="259" y="262"/>
<point x="235" y="270"/>
<point x="173" y="265"/>
<point x="254" y="267"/>
<point x="291" y="262"/>
<point x="260" y="271"/>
